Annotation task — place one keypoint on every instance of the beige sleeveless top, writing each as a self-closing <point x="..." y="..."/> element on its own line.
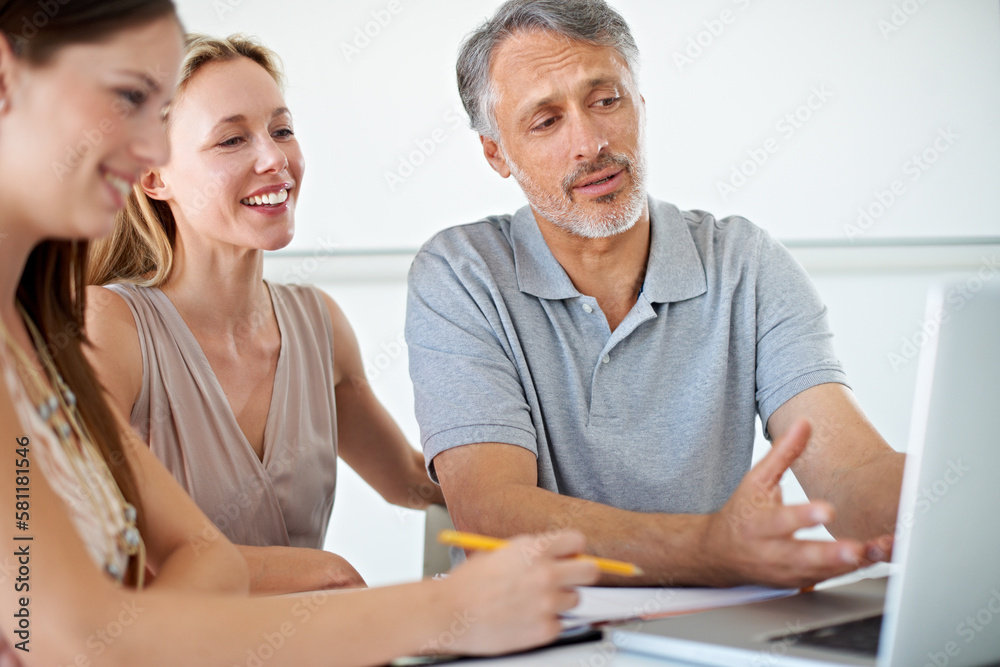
<point x="184" y="416"/>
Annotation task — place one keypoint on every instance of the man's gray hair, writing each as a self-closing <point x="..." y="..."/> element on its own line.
<point x="590" y="21"/>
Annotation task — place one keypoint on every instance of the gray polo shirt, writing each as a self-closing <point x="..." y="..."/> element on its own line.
<point x="655" y="416"/>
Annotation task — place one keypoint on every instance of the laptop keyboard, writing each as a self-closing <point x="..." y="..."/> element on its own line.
<point x="859" y="636"/>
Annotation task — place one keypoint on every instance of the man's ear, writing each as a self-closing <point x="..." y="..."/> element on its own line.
<point x="154" y="187"/>
<point x="494" y="155"/>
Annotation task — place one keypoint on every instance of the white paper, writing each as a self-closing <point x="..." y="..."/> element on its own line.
<point x="599" y="604"/>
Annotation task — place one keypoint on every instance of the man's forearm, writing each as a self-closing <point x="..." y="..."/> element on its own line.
<point x="492" y="488"/>
<point x="879" y="482"/>
<point x="666" y="547"/>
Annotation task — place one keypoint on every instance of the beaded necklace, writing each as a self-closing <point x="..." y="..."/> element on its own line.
<point x="58" y="410"/>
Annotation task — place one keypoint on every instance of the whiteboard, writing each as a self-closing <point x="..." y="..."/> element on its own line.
<point x="846" y="121"/>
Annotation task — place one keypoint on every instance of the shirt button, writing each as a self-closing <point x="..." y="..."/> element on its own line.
<point x="587" y="309"/>
<point x="606" y="359"/>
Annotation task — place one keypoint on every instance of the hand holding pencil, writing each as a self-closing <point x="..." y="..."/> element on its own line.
<point x="513" y="597"/>
<point x="484" y="543"/>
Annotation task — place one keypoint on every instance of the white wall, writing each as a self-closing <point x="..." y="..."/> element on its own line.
<point x="885" y="94"/>
<point x="876" y="302"/>
<point x="884" y="85"/>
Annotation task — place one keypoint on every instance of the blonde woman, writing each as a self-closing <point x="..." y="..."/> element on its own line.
<point x="89" y="509"/>
<point x="246" y="390"/>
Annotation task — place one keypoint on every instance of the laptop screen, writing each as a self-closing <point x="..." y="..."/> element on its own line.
<point x="944" y="609"/>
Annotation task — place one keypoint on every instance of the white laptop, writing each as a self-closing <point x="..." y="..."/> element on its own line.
<point x="940" y="607"/>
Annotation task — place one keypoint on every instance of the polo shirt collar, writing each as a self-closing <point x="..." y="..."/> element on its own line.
<point x="674" y="272"/>
<point x="538" y="271"/>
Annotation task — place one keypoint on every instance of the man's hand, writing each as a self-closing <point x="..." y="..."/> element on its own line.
<point x="751" y="539"/>
<point x="847" y="462"/>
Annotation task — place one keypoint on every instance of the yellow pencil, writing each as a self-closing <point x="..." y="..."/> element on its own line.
<point x="484" y="543"/>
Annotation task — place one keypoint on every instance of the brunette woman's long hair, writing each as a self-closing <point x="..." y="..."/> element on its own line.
<point x="51" y="289"/>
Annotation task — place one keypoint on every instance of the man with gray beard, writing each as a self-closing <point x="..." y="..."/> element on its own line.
<point x="597" y="359"/>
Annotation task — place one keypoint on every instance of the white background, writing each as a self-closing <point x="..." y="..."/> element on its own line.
<point x="720" y="79"/>
<point x="360" y="113"/>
